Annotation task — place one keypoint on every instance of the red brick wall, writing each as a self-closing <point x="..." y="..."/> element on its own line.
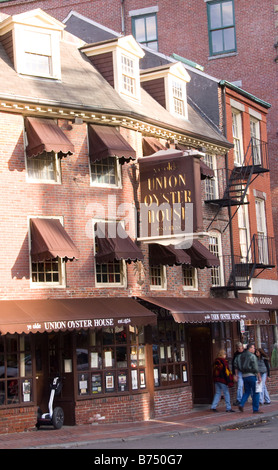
<point x="17" y="419"/>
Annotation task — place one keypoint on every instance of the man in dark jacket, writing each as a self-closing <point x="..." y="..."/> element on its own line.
<point x="247" y="363"/>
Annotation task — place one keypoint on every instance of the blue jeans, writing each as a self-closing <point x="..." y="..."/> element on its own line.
<point x="219" y="389"/>
<point x="239" y="386"/>
<point x="264" y="396"/>
<point x="250" y="389"/>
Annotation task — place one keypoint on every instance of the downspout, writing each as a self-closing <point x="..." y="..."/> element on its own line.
<point x="223" y="98"/>
<point x="123" y="16"/>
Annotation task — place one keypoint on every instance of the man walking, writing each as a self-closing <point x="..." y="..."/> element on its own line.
<point x="247" y="363"/>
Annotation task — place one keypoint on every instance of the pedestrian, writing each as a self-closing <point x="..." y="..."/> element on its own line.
<point x="223" y="379"/>
<point x="247" y="363"/>
<point x="264" y="370"/>
<point x="238" y="374"/>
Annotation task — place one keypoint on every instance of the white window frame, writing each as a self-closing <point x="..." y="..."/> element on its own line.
<point x="244" y="233"/>
<point x="21" y="49"/>
<point x="134" y="75"/>
<point x="237" y="137"/>
<point x="173" y="83"/>
<point x="62" y="264"/>
<point x="118" y="175"/>
<point x="218" y="269"/>
<point x="123" y="269"/>
<point x="163" y="271"/>
<point x="255" y="132"/>
<point x="211" y="184"/>
<point x="194" y="272"/>
<point x="261" y="231"/>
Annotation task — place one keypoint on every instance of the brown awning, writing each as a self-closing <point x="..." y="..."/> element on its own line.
<point x="207" y="310"/>
<point x="160" y="254"/>
<point x="44" y="135"/>
<point x="151" y="145"/>
<point x="106" y="141"/>
<point x="115" y="246"/>
<point x="201" y="257"/>
<point x="206" y="171"/>
<point x="49" y="239"/>
<point x="25" y="316"/>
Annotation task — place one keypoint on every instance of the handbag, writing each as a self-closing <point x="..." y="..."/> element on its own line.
<point x="259" y="387"/>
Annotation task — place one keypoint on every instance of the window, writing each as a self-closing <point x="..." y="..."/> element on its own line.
<point x="221" y="26"/>
<point x="255" y="136"/>
<point x="211" y="183"/>
<point x="38" y="53"/>
<point x="178" y="90"/>
<point x="158" y="277"/>
<point x="128" y="75"/>
<point x="215" y="248"/>
<point x="15" y="370"/>
<point x="189" y="277"/>
<point x="106" y="172"/>
<point x="262" y="248"/>
<point x="45" y="167"/>
<point x="111" y="360"/>
<point x="237" y="137"/>
<point x="244" y="236"/>
<point x="144" y="29"/>
<point x="170" y="354"/>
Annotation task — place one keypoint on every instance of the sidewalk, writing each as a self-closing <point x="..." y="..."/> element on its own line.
<point x="199" y="420"/>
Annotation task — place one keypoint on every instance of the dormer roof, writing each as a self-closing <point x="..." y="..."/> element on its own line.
<point x="37" y="18"/>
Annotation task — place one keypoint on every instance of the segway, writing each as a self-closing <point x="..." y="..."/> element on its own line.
<point x="53" y="417"/>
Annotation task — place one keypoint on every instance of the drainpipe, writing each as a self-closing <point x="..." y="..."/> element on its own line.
<point x="123" y="16"/>
<point x="223" y="97"/>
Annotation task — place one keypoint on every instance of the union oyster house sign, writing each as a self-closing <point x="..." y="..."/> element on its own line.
<point x="170" y="187"/>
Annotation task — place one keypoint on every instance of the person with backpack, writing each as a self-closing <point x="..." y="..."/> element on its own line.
<point x="223" y="379"/>
<point x="247" y="363"/>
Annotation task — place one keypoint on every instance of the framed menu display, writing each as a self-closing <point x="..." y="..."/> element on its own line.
<point x="109" y="382"/>
<point x="122" y="382"/>
<point x="96" y="383"/>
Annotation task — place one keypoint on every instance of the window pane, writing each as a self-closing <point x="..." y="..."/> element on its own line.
<point x="227" y="14"/>
<point x="229" y="39"/>
<point x="217" y="42"/>
<point x="139" y="27"/>
<point x="151" y="28"/>
<point x="215" y="16"/>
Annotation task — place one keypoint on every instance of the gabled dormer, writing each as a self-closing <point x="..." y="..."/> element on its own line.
<point x="118" y="62"/>
<point x="32" y="41"/>
<point x="167" y="85"/>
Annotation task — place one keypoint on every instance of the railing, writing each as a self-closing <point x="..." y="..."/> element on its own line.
<point x="238" y="271"/>
<point x="257" y="154"/>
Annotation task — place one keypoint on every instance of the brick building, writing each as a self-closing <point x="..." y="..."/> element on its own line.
<point x="83" y="155"/>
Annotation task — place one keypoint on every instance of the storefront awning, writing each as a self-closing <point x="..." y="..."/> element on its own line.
<point x="49" y="239"/>
<point x="201" y="257"/>
<point x="38" y="316"/>
<point x="151" y="145"/>
<point x="44" y="135"/>
<point x="167" y="255"/>
<point x="106" y="141"/>
<point x="115" y="246"/>
<point x="207" y="310"/>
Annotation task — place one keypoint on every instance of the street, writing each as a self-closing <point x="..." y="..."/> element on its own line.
<point x="262" y="436"/>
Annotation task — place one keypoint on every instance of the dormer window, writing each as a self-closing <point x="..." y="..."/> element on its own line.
<point x="167" y="85"/>
<point x="179" y="97"/>
<point x="38" y="57"/>
<point x="128" y="77"/>
<point x="32" y="41"/>
<point x="118" y="62"/>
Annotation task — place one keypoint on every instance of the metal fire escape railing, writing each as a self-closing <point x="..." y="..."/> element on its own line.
<point x="231" y="185"/>
<point x="238" y="271"/>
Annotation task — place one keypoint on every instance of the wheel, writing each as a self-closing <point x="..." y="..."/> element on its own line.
<point x="58" y="417"/>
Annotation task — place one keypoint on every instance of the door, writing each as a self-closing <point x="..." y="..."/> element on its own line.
<point x="201" y="365"/>
<point x="54" y="356"/>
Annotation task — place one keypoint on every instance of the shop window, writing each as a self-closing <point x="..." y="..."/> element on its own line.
<point x="170" y="356"/>
<point x="111" y="360"/>
<point x="15" y="370"/>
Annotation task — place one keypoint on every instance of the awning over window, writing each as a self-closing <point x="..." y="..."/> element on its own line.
<point x="159" y="254"/>
<point x="115" y="246"/>
<point x="49" y="239"/>
<point x="32" y="316"/>
<point x="151" y="145"/>
<point x="44" y="135"/>
<point x="207" y="310"/>
<point x="106" y="141"/>
<point x="201" y="257"/>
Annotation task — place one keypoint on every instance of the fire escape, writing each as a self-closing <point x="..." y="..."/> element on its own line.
<point x="230" y="191"/>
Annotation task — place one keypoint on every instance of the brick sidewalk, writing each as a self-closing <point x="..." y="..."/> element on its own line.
<point x="199" y="420"/>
